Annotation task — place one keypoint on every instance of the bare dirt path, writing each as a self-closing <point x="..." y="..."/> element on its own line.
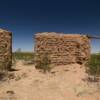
<point x="63" y="83"/>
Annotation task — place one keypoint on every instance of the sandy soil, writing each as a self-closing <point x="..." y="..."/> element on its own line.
<point x="63" y="83"/>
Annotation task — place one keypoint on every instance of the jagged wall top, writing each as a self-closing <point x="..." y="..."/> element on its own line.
<point x="55" y="34"/>
<point x="5" y="31"/>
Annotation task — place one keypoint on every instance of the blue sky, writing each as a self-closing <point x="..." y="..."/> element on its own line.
<point x="27" y="17"/>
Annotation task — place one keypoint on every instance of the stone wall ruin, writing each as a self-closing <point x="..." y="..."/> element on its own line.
<point x="63" y="48"/>
<point x="5" y="50"/>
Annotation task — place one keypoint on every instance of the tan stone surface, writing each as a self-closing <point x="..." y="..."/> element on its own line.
<point x="63" y="48"/>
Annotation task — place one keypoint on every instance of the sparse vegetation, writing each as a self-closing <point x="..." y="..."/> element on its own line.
<point x="93" y="67"/>
<point x="27" y="57"/>
<point x="23" y="55"/>
<point x="3" y="69"/>
<point x="13" y="60"/>
<point x="42" y="62"/>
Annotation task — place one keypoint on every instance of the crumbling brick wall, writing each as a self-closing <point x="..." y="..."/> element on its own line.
<point x="63" y="48"/>
<point x="5" y="49"/>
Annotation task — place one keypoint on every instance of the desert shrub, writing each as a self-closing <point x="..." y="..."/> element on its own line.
<point x="13" y="60"/>
<point x="2" y="66"/>
<point x="93" y="66"/>
<point x="42" y="62"/>
<point x="5" y="64"/>
<point x="3" y="70"/>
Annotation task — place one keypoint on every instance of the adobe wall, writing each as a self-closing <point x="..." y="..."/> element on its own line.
<point x="63" y="48"/>
<point x="5" y="49"/>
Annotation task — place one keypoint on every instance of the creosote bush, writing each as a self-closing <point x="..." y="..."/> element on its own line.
<point x="93" y="67"/>
<point x="42" y="62"/>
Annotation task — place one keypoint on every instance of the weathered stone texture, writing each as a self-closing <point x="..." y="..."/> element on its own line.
<point x="63" y="48"/>
<point x="5" y="49"/>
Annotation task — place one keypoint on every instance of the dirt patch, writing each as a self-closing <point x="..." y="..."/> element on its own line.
<point x="63" y="83"/>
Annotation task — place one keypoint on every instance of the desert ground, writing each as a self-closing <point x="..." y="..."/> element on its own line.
<point x="62" y="83"/>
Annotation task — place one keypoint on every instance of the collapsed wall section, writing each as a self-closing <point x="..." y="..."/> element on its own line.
<point x="63" y="48"/>
<point x="5" y="50"/>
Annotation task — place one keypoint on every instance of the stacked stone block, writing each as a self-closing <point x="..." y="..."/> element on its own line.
<point x="63" y="48"/>
<point x="5" y="50"/>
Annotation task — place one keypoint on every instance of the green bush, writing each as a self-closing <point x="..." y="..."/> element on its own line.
<point x="42" y="62"/>
<point x="93" y="66"/>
